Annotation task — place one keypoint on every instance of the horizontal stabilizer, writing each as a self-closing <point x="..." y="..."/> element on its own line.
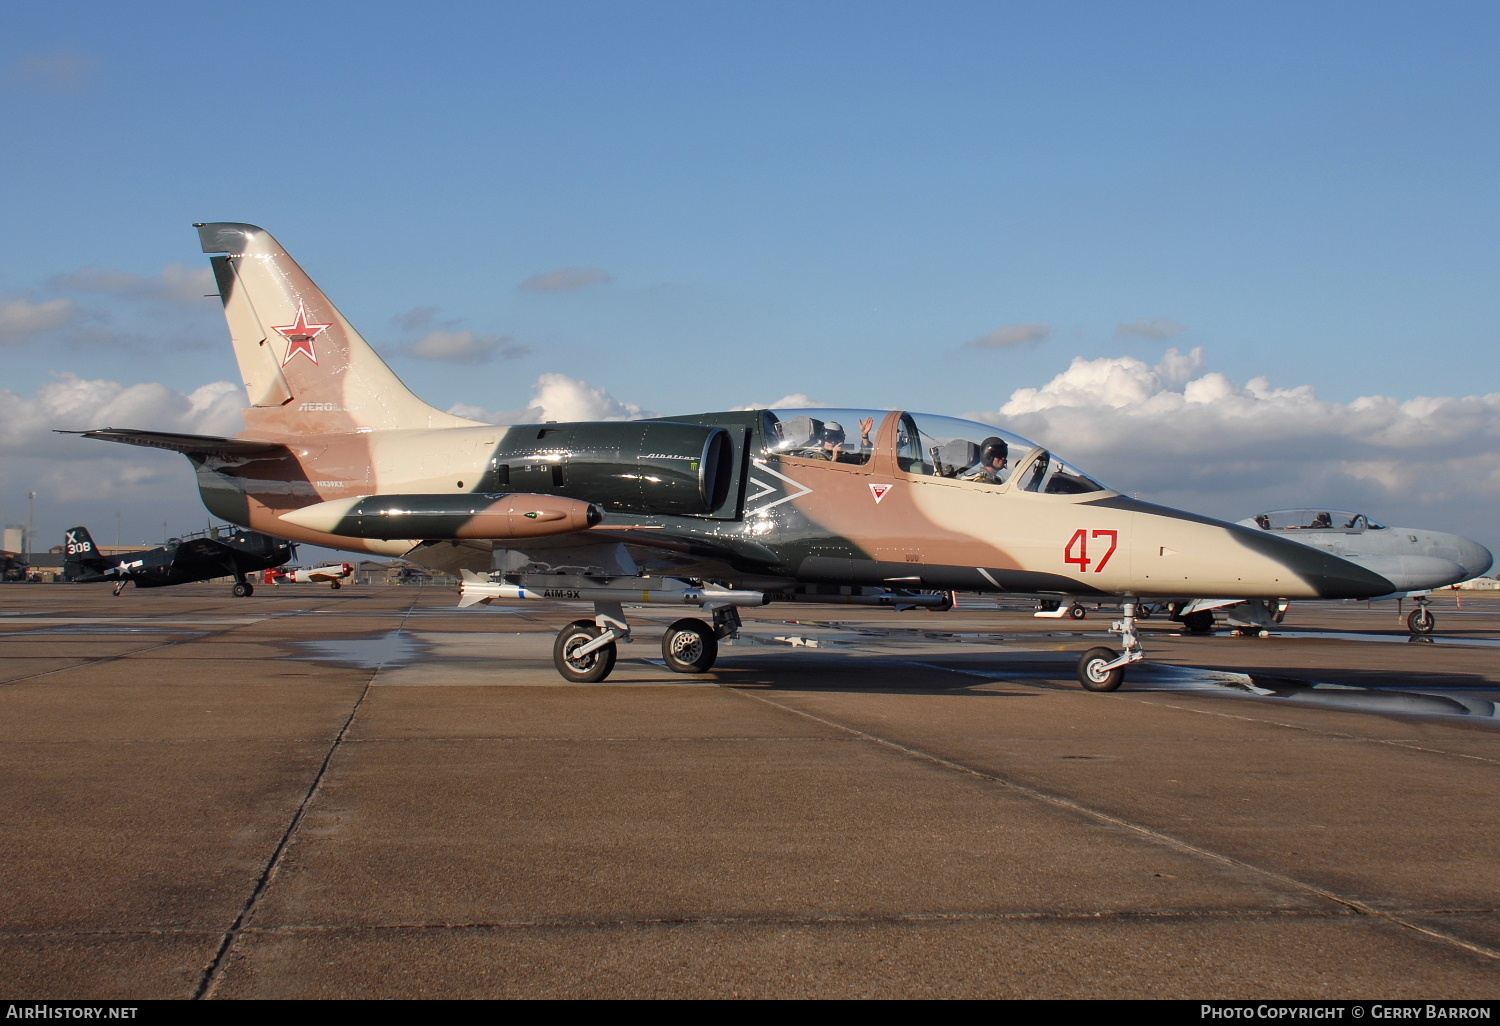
<point x="191" y="445"/>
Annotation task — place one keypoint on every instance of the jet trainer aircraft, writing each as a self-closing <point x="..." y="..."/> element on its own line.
<point x="714" y="510"/>
<point x="225" y="553"/>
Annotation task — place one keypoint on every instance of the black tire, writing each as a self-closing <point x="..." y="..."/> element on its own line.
<point x="1142" y="611"/>
<point x="1421" y="621"/>
<point x="689" y="646"/>
<point x="588" y="669"/>
<point x="335" y="585"/>
<point x="244" y="590"/>
<point x="1201" y="622"/>
<point x="1077" y="612"/>
<point x="1092" y="677"/>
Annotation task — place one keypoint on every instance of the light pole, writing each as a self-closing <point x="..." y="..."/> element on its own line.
<point x="30" y="522"/>
<point x="117" y="529"/>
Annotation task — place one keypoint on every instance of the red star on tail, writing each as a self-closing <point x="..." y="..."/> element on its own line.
<point x="300" y="336"/>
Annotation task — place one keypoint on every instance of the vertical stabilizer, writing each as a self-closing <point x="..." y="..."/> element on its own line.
<point x="305" y="367"/>
<point x="80" y="554"/>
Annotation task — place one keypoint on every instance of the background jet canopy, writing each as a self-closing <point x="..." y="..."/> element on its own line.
<point x="1314" y="519"/>
<point x="927" y="445"/>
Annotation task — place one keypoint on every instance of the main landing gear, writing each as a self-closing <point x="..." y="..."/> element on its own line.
<point x="585" y="650"/>
<point x="1103" y="669"/>
<point x="242" y="587"/>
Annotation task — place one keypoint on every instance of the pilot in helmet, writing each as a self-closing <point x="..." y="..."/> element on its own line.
<point x="833" y="440"/>
<point x="994" y="455"/>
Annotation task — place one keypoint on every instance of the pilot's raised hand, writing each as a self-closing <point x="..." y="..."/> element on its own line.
<point x="865" y="427"/>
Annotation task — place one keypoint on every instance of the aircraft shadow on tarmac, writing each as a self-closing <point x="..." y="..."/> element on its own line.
<point x="818" y="668"/>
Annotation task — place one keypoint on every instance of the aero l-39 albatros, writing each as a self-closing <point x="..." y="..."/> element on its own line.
<point x="714" y="510"/>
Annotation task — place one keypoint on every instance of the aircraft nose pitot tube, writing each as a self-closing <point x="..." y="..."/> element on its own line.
<point x="495" y="516"/>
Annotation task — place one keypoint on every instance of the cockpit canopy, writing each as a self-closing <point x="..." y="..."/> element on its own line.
<point x="1312" y="519"/>
<point x="927" y="445"/>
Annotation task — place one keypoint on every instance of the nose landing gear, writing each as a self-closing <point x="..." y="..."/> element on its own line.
<point x="1421" y="620"/>
<point x="1103" y="669"/>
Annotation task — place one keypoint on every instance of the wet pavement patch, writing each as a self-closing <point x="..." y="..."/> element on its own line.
<point x="1306" y="692"/>
<point x="1392" y="638"/>
<point x="393" y="648"/>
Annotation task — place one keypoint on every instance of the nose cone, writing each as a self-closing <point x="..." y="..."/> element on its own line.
<point x="1476" y="559"/>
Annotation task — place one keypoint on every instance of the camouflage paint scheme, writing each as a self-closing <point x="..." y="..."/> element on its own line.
<point x="701" y="496"/>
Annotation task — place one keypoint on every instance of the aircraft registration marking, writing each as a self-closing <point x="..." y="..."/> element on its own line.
<point x="1076" y="551"/>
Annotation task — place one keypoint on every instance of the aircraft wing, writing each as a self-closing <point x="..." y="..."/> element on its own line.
<point x="190" y="445"/>
<point x="653" y="551"/>
<point x="206" y="548"/>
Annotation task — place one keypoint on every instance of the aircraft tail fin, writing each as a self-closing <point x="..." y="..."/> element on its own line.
<point x="306" y="368"/>
<point x="80" y="554"/>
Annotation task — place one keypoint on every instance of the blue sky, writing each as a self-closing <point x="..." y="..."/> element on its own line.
<point x="756" y="200"/>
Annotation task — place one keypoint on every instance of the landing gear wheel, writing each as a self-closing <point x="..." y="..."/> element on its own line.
<point x="1421" y="621"/>
<point x="1201" y="622"/>
<point x="1091" y="672"/>
<point x="243" y="589"/>
<point x="589" y="668"/>
<point x="1077" y="612"/>
<point x="689" y="646"/>
<point x="1142" y="611"/>
<point x="335" y="585"/>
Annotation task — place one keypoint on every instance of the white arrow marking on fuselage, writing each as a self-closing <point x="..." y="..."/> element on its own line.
<point x="767" y="489"/>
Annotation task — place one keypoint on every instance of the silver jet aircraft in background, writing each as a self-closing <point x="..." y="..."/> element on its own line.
<point x="1415" y="560"/>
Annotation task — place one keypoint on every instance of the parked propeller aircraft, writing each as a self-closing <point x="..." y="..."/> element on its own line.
<point x="714" y="510"/>
<point x="1413" y="559"/>
<point x="332" y="574"/>
<point x="225" y="552"/>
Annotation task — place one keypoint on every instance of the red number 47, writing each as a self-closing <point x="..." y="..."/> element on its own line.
<point x="1077" y="550"/>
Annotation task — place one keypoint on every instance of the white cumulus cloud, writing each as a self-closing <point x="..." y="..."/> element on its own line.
<point x="1178" y="433"/>
<point x="561" y="398"/>
<point x="793" y="401"/>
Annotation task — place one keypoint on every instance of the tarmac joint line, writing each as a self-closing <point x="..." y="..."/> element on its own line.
<point x="1352" y="905"/>
<point x="213" y="972"/>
